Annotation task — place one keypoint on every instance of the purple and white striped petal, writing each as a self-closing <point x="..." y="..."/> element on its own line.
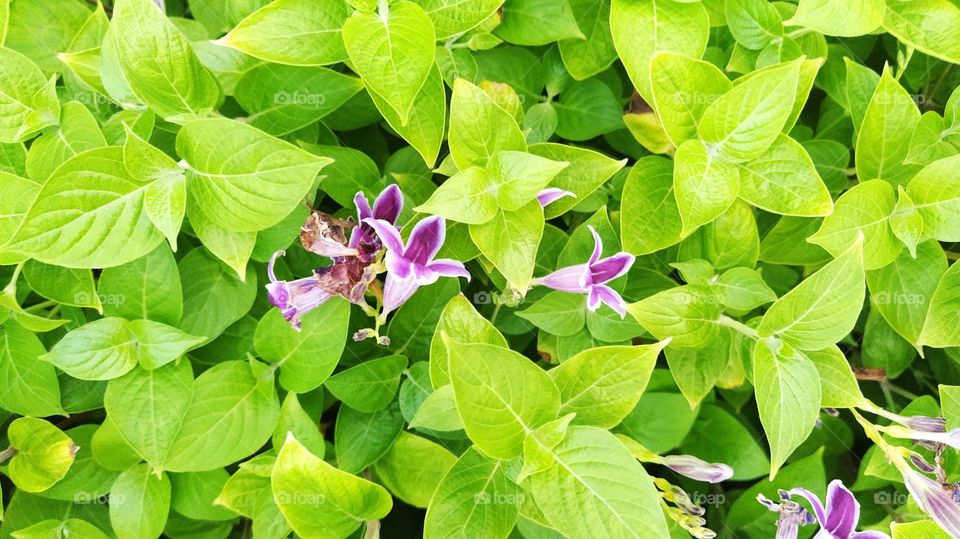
<point x="389" y="204"/>
<point x="551" y="195"/>
<point x="818" y="509"/>
<point x="446" y="267"/>
<point x="937" y="502"/>
<point x="611" y="267"/>
<point x="363" y="207"/>
<point x="843" y="510"/>
<point x="603" y="293"/>
<point x="294" y="298"/>
<point x="695" y="468"/>
<point x="425" y="240"/>
<point x="597" y="246"/>
<point x="387" y="233"/>
<point x="566" y="279"/>
<point x="397" y="290"/>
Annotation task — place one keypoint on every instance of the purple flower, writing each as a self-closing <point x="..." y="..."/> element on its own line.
<point x="386" y="207"/>
<point x="589" y="278"/>
<point x="950" y="438"/>
<point x="695" y="468"/>
<point x="412" y="265"/>
<point x="552" y="194"/>
<point x="295" y="298"/>
<point x="941" y="502"/>
<point x="838" y="520"/>
<point x="792" y="515"/>
<point x="325" y="235"/>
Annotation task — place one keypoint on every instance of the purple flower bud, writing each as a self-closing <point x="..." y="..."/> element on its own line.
<point x="695" y="468"/>
<point x="938" y="502"/>
<point x="294" y="298"/>
<point x="551" y="195"/>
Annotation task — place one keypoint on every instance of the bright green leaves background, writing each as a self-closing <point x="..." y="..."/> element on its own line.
<point x="785" y="174"/>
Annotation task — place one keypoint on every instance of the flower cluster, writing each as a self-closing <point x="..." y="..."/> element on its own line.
<point x="838" y="519"/>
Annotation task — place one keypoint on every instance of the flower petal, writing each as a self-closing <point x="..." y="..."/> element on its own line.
<point x="818" y="510"/>
<point x="363" y="206"/>
<point x="387" y="233"/>
<point x="552" y="194"/>
<point x="388" y="204"/>
<point x="566" y="279"/>
<point x="605" y="294"/>
<point x="273" y="261"/>
<point x="397" y="290"/>
<point x="695" y="468"/>
<point x="843" y="510"/>
<point x="597" y="246"/>
<point x="425" y="240"/>
<point x="446" y="267"/>
<point x="611" y="267"/>
<point x="933" y="499"/>
<point x="297" y="298"/>
<point x="869" y="535"/>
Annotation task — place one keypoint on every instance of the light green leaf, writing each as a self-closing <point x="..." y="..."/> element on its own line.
<point x="642" y="28"/>
<point x="783" y="180"/>
<point x="306" y="358"/>
<point x="28" y="100"/>
<point x="500" y="395"/>
<point x="884" y="136"/>
<point x="452" y="17"/>
<point x="28" y="386"/>
<point x="369" y="386"/>
<point x="930" y="26"/>
<point x="838" y="386"/>
<point x="744" y="122"/>
<point x="43" y="455"/>
<point x="459" y="318"/>
<point x="148" y="287"/>
<point x="413" y="468"/>
<point x="935" y="192"/>
<point x="587" y="171"/>
<point x="755" y="24"/>
<point x="865" y="209"/>
<point x="293" y="418"/>
<point x="823" y="308"/>
<point x="906" y="222"/>
<point x="248" y="194"/>
<point x="100" y="350"/>
<point x="438" y="412"/>
<point x="480" y="127"/>
<point x="686" y="314"/>
<point x="537" y="22"/>
<point x="788" y="397"/>
<point x="651" y="219"/>
<point x="268" y="33"/>
<point x="901" y="291"/>
<point x="102" y="224"/>
<point x="704" y="185"/>
<point x="943" y="317"/>
<point x="683" y="88"/>
<point x="232" y="247"/>
<point x="602" y="385"/>
<point x="558" y="313"/>
<point x="393" y="51"/>
<point x="159" y="64"/>
<point x="844" y="18"/>
<point x="469" y="196"/>
<point x="361" y="439"/>
<point x="426" y="123"/>
<point x="78" y="132"/>
<point x="63" y="285"/>
<point x="587" y="57"/>
<point x="510" y="241"/>
<point x="743" y="289"/>
<point x="140" y="503"/>
<point x="697" y="370"/>
<point x="319" y="500"/>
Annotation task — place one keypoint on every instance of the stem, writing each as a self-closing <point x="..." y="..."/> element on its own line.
<point x="725" y="320"/>
<point x="7" y="453"/>
<point x="12" y="285"/>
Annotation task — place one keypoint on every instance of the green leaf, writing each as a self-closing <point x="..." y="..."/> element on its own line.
<point x="63" y="285"/>
<point x="586" y="172"/>
<point x="438" y="412"/>
<point x="697" y="370"/>
<point x="232" y="247"/>
<point x="266" y="33"/>
<point x="934" y="192"/>
<point x="682" y="89"/>
<point x="510" y="241"/>
<point x="743" y="289"/>
<point x="78" y="132"/>
<point x="755" y="24"/>
<point x="140" y="503"/>
<point x="839" y="17"/>
<point x="28" y="386"/>
<point x="930" y="26"/>
<point x="451" y="17"/>
<point x="361" y="439"/>
<point x="537" y="22"/>
<point x="687" y="314"/>
<point x="500" y="395"/>
<point x="593" y="54"/>
<point x="744" y="122"/>
<point x="651" y="218"/>
<point x="480" y="127"/>
<point x="459" y="318"/>
<point x="28" y="100"/>
<point x="293" y="418"/>
<point x="282" y="99"/>
<point x="704" y="185"/>
<point x="884" y="136"/>
<point x="319" y="500"/>
<point x="901" y="291"/>
<point x="413" y="468"/>
<point x="393" y="52"/>
<point x="148" y="288"/>
<point x="596" y="484"/>
<point x="718" y="436"/>
<point x="601" y="385"/>
<point x="906" y="222"/>
<point x="424" y="128"/>
<point x="838" y="386"/>
<point x="469" y="196"/>
<point x="148" y="408"/>
<point x="232" y="415"/>
<point x="558" y="313"/>
<point x="248" y="194"/>
<point x="100" y="225"/>
<point x="43" y="455"/>
<point x="788" y="397"/>
<point x="474" y="499"/>
<point x="587" y="109"/>
<point x="307" y="357"/>
<point x="642" y="28"/>
<point x="865" y="209"/>
<point x="369" y="386"/>
<point x="159" y="64"/>
<point x="940" y="327"/>
<point x="823" y="308"/>
<point x="784" y="180"/>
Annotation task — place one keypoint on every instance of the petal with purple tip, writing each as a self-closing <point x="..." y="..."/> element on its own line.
<point x="551" y="195"/>
<point x="597" y="246"/>
<point x="446" y="267"/>
<point x="387" y="233"/>
<point x="843" y="510"/>
<point x="363" y="206"/>
<point x="397" y="291"/>
<point x="815" y="502"/>
<point x="611" y="267"/>
<point x="425" y="240"/>
<point x="937" y="502"/>
<point x="566" y="279"/>
<point x="605" y="294"/>
<point x="388" y="204"/>
<point x="695" y="468"/>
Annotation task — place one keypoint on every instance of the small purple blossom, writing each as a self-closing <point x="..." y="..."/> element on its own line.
<point x="838" y="519"/>
<point x="295" y="298"/>
<point x="386" y="207"/>
<point x="938" y="500"/>
<point x="551" y="195"/>
<point x="695" y="468"/>
<point x="411" y="265"/>
<point x="590" y="278"/>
